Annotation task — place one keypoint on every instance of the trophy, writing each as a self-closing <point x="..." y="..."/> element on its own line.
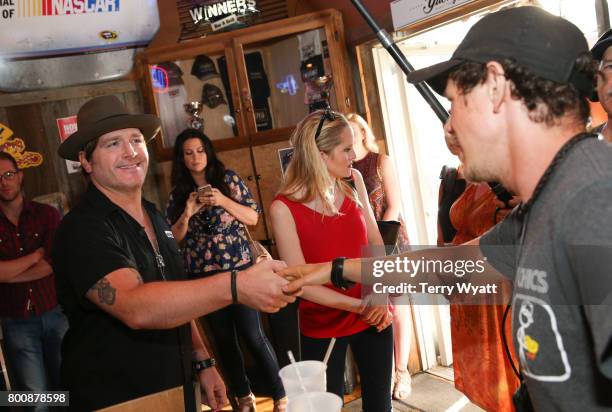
<point x="195" y="109"/>
<point x="325" y="84"/>
<point x="320" y="92"/>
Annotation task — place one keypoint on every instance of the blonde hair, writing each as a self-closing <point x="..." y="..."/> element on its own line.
<point x="307" y="177"/>
<point x="370" y="140"/>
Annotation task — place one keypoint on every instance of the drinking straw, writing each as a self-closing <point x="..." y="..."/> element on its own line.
<point x="329" y="350"/>
<point x="301" y="382"/>
<point x="297" y="370"/>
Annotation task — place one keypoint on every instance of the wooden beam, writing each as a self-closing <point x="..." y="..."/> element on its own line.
<point x="66" y="93"/>
<point x="369" y="90"/>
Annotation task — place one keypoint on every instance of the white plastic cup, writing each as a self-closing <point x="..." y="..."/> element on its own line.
<point x="315" y="402"/>
<point x="312" y="374"/>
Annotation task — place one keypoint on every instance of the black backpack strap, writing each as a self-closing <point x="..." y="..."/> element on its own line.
<point x="448" y="195"/>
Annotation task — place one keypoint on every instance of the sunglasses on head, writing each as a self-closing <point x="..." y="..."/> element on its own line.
<point x="327" y="114"/>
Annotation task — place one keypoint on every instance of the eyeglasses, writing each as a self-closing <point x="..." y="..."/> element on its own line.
<point x="327" y="114"/>
<point x="8" y="176"/>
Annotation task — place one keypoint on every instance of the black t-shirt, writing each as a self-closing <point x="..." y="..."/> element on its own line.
<point x="104" y="362"/>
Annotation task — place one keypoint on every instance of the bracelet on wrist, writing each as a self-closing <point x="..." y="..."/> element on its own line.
<point x="337" y="276"/>
<point x="199" y="366"/>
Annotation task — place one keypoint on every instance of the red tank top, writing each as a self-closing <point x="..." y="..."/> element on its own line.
<point x="323" y="238"/>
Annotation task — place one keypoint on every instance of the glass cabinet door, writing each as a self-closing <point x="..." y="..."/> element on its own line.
<point x="193" y="93"/>
<point x="284" y="79"/>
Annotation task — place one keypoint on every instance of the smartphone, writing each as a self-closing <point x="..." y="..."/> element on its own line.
<point x="205" y="190"/>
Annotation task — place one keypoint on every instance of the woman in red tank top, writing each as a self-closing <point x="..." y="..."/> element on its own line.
<point x="384" y="194"/>
<point x="317" y="217"/>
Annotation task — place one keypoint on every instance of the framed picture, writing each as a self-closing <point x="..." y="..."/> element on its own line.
<point x="284" y="157"/>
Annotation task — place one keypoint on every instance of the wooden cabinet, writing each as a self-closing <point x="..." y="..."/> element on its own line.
<point x="252" y="85"/>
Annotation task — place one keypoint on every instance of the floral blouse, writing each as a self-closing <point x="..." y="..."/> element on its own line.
<point x="215" y="240"/>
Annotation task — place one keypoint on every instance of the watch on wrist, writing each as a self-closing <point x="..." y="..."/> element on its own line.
<point x="199" y="366"/>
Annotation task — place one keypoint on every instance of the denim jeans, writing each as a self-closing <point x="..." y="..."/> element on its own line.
<point x="33" y="351"/>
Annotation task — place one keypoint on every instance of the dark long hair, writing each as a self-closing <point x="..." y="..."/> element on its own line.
<point x="181" y="178"/>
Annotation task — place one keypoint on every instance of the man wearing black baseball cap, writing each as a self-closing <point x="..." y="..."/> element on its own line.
<point x="602" y="53"/>
<point x="518" y="85"/>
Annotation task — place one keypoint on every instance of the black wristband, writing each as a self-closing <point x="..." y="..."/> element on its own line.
<point x="199" y="366"/>
<point x="337" y="276"/>
<point x="233" y="286"/>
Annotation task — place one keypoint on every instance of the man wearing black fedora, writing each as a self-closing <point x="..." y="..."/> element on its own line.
<point x="120" y="276"/>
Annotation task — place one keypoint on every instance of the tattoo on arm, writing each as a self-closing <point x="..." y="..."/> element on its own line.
<point x="106" y="292"/>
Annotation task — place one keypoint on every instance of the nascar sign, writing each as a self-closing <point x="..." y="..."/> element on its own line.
<point x="33" y="28"/>
<point x="27" y="8"/>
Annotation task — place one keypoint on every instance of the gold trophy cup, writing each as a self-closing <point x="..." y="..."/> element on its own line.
<point x="195" y="109"/>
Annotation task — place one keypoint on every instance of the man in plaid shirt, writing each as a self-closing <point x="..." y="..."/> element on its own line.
<point x="32" y="323"/>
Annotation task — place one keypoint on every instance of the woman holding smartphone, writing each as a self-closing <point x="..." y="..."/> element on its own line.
<point x="210" y="225"/>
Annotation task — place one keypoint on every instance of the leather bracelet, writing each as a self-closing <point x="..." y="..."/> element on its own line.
<point x="233" y="286"/>
<point x="337" y="276"/>
<point x="199" y="366"/>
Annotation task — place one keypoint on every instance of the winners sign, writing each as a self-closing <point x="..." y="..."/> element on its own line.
<point x="222" y="14"/>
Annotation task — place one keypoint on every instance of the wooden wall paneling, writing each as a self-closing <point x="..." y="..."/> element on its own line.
<point x="267" y="166"/>
<point x="3" y="116"/>
<point x="297" y="7"/>
<point x="369" y="90"/>
<point x="239" y="160"/>
<point x="169" y="24"/>
<point x="186" y="50"/>
<point x="339" y="59"/>
<point x="66" y="93"/>
<point x="239" y="114"/>
<point x="294" y="25"/>
<point x="163" y="171"/>
<point x="243" y="84"/>
<point x="27" y="123"/>
<point x="73" y="184"/>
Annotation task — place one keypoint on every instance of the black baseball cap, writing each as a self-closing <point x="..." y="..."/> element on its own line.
<point x="598" y="50"/>
<point x="212" y="96"/>
<point x="602" y="45"/>
<point x="545" y="44"/>
<point x="204" y="68"/>
<point x="174" y="72"/>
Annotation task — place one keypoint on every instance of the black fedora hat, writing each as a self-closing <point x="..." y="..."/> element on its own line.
<point x="101" y="115"/>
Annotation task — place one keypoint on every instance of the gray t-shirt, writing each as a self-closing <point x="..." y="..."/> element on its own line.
<point x="561" y="306"/>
